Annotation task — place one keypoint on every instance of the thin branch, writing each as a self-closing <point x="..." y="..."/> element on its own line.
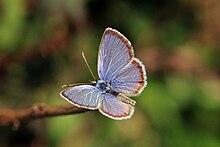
<point x="17" y="117"/>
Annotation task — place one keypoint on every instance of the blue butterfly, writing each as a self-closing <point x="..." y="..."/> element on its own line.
<point x="121" y="75"/>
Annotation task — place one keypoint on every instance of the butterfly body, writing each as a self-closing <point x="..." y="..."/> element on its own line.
<point x="105" y="87"/>
<point x="121" y="75"/>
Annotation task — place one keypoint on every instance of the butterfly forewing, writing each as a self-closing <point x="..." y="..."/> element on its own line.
<point x="115" y="51"/>
<point x="117" y="65"/>
<point x="85" y="96"/>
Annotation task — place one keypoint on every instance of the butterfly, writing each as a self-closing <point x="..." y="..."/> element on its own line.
<point x="121" y="76"/>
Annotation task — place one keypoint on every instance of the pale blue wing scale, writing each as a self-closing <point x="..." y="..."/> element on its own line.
<point x="131" y="79"/>
<point x="85" y="96"/>
<point x="117" y="65"/>
<point x="115" y="52"/>
<point x="114" y="108"/>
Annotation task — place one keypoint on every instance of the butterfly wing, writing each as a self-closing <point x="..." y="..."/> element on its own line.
<point x="115" y="52"/>
<point x="111" y="106"/>
<point x="131" y="79"/>
<point x="85" y="96"/>
<point x="117" y="65"/>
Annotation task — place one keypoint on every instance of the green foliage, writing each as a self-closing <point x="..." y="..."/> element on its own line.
<point x="12" y="21"/>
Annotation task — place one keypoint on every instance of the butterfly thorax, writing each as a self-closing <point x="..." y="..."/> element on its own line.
<point x="105" y="87"/>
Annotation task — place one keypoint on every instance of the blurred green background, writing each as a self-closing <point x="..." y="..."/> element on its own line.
<point x="178" y="41"/>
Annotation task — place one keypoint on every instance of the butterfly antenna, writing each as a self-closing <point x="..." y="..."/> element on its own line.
<point x="83" y="55"/>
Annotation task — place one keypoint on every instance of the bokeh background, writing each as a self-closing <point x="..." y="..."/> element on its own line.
<point x="178" y="41"/>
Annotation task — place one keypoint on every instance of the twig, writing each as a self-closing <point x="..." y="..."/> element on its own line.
<point x="15" y="118"/>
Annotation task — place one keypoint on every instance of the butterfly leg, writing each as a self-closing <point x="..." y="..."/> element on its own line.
<point x="78" y="84"/>
<point x="126" y="99"/>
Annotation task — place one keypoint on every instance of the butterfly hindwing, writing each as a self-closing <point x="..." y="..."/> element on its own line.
<point x="114" y="108"/>
<point x="131" y="79"/>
